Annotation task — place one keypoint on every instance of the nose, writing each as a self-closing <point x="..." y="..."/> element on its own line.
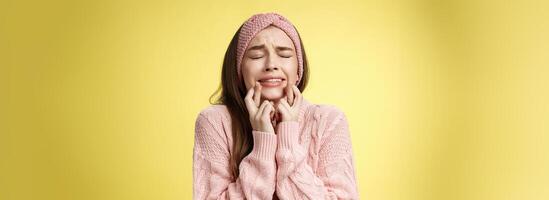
<point x="271" y="68"/>
<point x="272" y="63"/>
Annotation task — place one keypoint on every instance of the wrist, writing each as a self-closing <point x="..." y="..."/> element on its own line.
<point x="288" y="134"/>
<point x="265" y="145"/>
<point x="289" y="119"/>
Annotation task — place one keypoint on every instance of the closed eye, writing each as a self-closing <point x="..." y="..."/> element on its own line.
<point x="256" y="57"/>
<point x="285" y="53"/>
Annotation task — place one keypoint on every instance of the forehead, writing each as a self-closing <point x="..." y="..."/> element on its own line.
<point x="272" y="35"/>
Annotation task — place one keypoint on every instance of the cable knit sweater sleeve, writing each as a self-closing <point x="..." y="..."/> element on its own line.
<point x="334" y="177"/>
<point x="211" y="176"/>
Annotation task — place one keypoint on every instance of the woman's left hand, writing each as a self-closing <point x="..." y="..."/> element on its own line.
<point x="289" y="106"/>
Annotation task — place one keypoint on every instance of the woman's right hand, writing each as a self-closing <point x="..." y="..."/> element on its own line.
<point x="260" y="115"/>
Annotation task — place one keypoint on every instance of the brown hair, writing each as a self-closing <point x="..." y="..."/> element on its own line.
<point x="232" y="92"/>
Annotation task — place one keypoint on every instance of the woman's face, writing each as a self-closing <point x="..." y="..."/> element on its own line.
<point x="270" y="59"/>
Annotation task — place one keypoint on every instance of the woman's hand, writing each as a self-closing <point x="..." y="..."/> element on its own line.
<point x="260" y="115"/>
<point x="290" y="105"/>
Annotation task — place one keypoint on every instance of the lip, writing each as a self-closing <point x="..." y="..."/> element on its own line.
<point x="271" y="84"/>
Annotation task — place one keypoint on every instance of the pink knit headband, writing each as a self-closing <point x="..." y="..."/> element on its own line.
<point x="258" y="22"/>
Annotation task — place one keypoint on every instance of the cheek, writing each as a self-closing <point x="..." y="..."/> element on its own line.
<point x="249" y="72"/>
<point x="291" y="72"/>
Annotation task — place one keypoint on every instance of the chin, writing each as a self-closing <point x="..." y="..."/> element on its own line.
<point x="272" y="95"/>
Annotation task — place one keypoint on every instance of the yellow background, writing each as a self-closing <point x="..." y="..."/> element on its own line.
<point x="446" y="99"/>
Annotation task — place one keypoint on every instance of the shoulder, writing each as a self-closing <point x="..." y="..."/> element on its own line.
<point x="216" y="110"/>
<point x="214" y="116"/>
<point x="326" y="111"/>
<point x="330" y="115"/>
<point x="211" y="134"/>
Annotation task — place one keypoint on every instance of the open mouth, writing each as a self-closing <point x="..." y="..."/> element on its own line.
<point x="271" y="82"/>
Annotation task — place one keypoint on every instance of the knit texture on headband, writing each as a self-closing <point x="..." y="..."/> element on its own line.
<point x="258" y="22"/>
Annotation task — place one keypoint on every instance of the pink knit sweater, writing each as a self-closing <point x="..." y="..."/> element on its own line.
<point x="308" y="159"/>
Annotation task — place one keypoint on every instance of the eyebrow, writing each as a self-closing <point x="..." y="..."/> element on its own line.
<point x="279" y="48"/>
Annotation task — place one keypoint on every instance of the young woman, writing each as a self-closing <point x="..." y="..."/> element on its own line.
<point x="262" y="139"/>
